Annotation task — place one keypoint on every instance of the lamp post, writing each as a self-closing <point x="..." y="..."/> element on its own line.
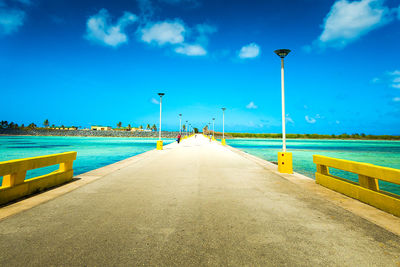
<point x="186" y="127"/>
<point x="284" y="158"/>
<point x="213" y="127"/>
<point x="180" y="123"/>
<point x="159" y="142"/>
<point x="223" y="142"/>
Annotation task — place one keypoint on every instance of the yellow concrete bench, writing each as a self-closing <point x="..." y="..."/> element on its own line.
<point x="15" y="186"/>
<point x="367" y="189"/>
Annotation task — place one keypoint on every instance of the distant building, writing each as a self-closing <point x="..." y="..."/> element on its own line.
<point x="70" y="128"/>
<point x="123" y="129"/>
<point x="101" y="128"/>
<point x="139" y="130"/>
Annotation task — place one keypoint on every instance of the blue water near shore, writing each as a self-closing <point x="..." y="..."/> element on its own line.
<point x="382" y="153"/>
<point x="93" y="152"/>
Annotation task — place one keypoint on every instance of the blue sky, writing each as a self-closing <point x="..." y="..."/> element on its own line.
<point x="101" y="62"/>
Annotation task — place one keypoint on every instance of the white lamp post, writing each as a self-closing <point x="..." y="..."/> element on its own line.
<point x="159" y="142"/>
<point x="213" y="128"/>
<point x="284" y="159"/>
<point x="223" y="142"/>
<point x="180" y="123"/>
<point x="186" y="127"/>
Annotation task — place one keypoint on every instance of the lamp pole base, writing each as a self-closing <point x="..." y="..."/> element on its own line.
<point x="159" y="145"/>
<point x="285" y="162"/>
<point x="223" y="142"/>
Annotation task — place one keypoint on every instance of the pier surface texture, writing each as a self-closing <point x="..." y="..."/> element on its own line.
<point x="194" y="204"/>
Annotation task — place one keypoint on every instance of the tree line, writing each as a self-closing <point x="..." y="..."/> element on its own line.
<point x="318" y="136"/>
<point x="129" y="127"/>
<point x="46" y="124"/>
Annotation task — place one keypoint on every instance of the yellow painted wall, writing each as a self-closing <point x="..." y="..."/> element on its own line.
<point x="367" y="189"/>
<point x="15" y="186"/>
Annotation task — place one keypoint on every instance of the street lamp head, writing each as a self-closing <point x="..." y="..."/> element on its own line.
<point x="223" y="109"/>
<point x="180" y="115"/>
<point x="161" y="94"/>
<point x="282" y="52"/>
<point x="213" y="119"/>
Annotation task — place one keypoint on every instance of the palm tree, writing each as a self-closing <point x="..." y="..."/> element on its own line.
<point x="4" y="124"/>
<point x="119" y="124"/>
<point x="46" y="123"/>
<point x="148" y="127"/>
<point x="183" y="127"/>
<point x="129" y="127"/>
<point x="154" y="127"/>
<point x="140" y="127"/>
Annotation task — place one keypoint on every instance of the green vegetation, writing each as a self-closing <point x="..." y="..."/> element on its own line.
<point x="317" y="136"/>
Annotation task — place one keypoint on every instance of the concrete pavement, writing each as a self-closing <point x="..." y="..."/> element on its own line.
<point x="193" y="204"/>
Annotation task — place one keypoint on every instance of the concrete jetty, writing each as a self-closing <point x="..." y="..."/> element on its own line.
<point x="195" y="204"/>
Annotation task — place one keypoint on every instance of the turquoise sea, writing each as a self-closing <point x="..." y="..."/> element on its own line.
<point x="382" y="153"/>
<point x="93" y="152"/>
<point x="96" y="152"/>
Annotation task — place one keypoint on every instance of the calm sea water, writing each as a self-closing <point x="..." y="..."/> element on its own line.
<point x="93" y="152"/>
<point x="382" y="153"/>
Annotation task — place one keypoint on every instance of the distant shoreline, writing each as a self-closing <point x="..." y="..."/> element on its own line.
<point x="316" y="136"/>
<point x="339" y="139"/>
<point x="84" y="133"/>
<point x="168" y="134"/>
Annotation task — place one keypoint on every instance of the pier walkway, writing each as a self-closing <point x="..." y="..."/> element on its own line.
<point x="193" y="204"/>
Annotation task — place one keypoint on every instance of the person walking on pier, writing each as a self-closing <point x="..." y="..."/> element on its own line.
<point x="178" y="138"/>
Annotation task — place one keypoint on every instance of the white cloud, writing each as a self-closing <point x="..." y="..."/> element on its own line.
<point x="154" y="101"/>
<point x="191" y="50"/>
<point x="348" y="21"/>
<point x="101" y="30"/>
<point x="375" y="80"/>
<point x="175" y="34"/>
<point x="394" y="79"/>
<point x="249" y="51"/>
<point x="289" y="119"/>
<point x="164" y="32"/>
<point x="398" y="12"/>
<point x="11" y="20"/>
<point x="310" y="119"/>
<point x="251" y="105"/>
<point x="395" y="72"/>
<point x="396" y="99"/>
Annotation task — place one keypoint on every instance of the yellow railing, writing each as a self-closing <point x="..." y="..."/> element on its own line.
<point x="15" y="186"/>
<point x="367" y="189"/>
